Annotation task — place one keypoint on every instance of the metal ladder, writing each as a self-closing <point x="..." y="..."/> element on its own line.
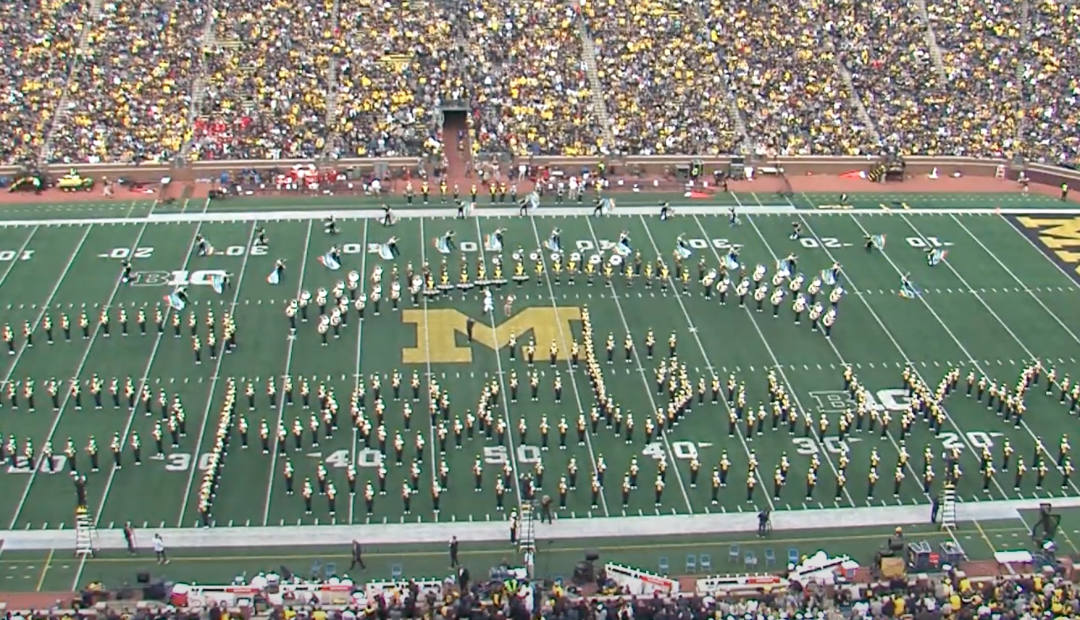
<point x="948" y="506"/>
<point x="527" y="537"/>
<point x="85" y="533"/>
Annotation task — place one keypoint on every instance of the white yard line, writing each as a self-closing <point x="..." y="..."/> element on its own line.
<point x="766" y="490"/>
<point x="645" y="382"/>
<point x="974" y="362"/>
<point x="776" y="362"/>
<point x="916" y="476"/>
<point x="288" y="367"/>
<point x="361" y="286"/>
<point x="78" y="371"/>
<point x="564" y="343"/>
<point x="45" y="306"/>
<point x="18" y="255"/>
<point x="1012" y="275"/>
<point x="430" y="376"/>
<point x="1061" y="268"/>
<point x="143" y="381"/>
<point x="971" y="452"/>
<point x="195" y="470"/>
<point x="304" y="214"/>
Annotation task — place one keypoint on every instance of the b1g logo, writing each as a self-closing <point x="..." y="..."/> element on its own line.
<point x="203" y="277"/>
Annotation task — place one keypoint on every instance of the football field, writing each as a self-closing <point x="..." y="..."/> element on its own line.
<point x="1000" y="300"/>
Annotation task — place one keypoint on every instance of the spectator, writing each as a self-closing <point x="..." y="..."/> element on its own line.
<point x="532" y="94"/>
<point x="129" y="94"/>
<point x="664" y="75"/>
<point x="785" y="81"/>
<point x="38" y="41"/>
<point x="267" y="79"/>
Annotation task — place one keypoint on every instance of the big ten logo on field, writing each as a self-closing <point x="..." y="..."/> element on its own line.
<point x="1059" y="239"/>
<point x="148" y="252"/>
<point x="895" y="401"/>
<point x="179" y="277"/>
<point x="11" y="255"/>
<point x="437" y="333"/>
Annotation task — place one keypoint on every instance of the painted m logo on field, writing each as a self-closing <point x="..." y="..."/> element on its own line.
<point x="441" y="334"/>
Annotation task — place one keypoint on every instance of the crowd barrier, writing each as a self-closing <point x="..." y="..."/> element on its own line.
<point x="639" y="582"/>
<point x="793" y="166"/>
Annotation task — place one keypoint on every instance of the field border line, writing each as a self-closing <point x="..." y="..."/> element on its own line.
<point x="566" y="346"/>
<point x="970" y="452"/>
<point x="1016" y="279"/>
<point x="35" y="467"/>
<point x="143" y="381"/>
<point x="641" y="372"/>
<point x="301" y="213"/>
<point x="288" y="367"/>
<point x="197" y="452"/>
<point x="692" y="328"/>
<point x="362" y="287"/>
<point x="975" y="363"/>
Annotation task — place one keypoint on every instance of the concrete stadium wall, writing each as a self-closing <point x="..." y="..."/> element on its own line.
<point x="793" y="166"/>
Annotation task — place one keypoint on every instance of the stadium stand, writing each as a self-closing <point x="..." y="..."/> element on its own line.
<point x="388" y="94"/>
<point x="531" y="89"/>
<point x="663" y="73"/>
<point x="266" y="83"/>
<point x="129" y="95"/>
<point x="37" y="53"/>
<point x="980" y="55"/>
<point x="114" y="82"/>
<point x="785" y="84"/>
<point x="1051" y="131"/>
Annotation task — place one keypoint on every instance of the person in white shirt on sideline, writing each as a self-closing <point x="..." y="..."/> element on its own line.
<point x="159" y="550"/>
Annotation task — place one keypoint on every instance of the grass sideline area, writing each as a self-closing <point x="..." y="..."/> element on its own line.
<point x="1004" y="296"/>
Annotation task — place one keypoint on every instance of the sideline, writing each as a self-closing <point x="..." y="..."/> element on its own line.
<point x="562" y="529"/>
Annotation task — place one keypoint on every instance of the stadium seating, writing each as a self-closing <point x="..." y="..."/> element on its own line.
<point x="660" y="70"/>
<point x="130" y="92"/>
<point x="266" y="81"/>
<point x="107" y="82"/>
<point x="37" y="52"/>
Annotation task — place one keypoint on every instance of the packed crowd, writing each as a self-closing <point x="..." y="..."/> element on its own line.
<point x="37" y="52"/>
<point x="529" y="78"/>
<point x="302" y="78"/>
<point x="388" y="93"/>
<point x="953" y="597"/>
<point x="661" y="69"/>
<point x="267" y="80"/>
<point x="785" y="80"/>
<point x="894" y="74"/>
<point x="1054" y="84"/>
<point x="980" y="48"/>
<point x="129" y="95"/>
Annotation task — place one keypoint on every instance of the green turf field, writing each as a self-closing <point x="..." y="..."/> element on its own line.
<point x="998" y="302"/>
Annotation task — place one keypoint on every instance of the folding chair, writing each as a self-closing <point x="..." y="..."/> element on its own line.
<point x="706" y="563"/>
<point x="733" y="554"/>
<point x="691" y="564"/>
<point x="793" y="556"/>
<point x="396" y="572"/>
<point x="330" y="570"/>
<point x="663" y="565"/>
<point x="316" y="570"/>
<point x="750" y="560"/>
<point x="770" y="557"/>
